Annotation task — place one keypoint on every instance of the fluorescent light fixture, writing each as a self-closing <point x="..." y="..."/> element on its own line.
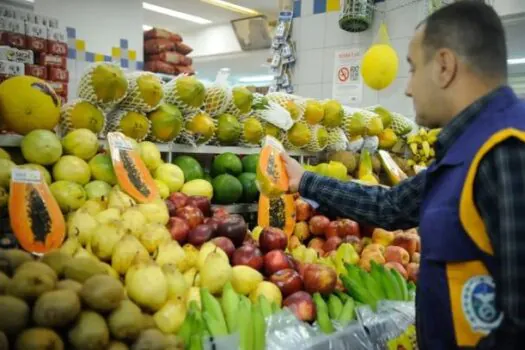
<point x="173" y="13"/>
<point x="146" y="27"/>
<point x="516" y="60"/>
<point x="256" y="79"/>
<point x="231" y="7"/>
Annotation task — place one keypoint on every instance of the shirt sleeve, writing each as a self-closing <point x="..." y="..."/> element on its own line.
<point x="500" y="197"/>
<point x="391" y="209"/>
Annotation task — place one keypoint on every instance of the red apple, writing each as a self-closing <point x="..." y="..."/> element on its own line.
<point x="288" y="281"/>
<point x="272" y="238"/>
<point x="413" y="272"/>
<point x="248" y="255"/>
<point x="201" y="202"/>
<point x="179" y="229"/>
<point x="192" y="215"/>
<point x="225" y="244"/>
<point x="200" y="235"/>
<point x="348" y="227"/>
<point x="234" y="227"/>
<point x="213" y="222"/>
<point x="301" y="267"/>
<point x="408" y="241"/>
<point x="220" y="212"/>
<point x="303" y="210"/>
<point x="317" y="244"/>
<point x="301" y="231"/>
<point x="332" y="230"/>
<point x="332" y="244"/>
<point x="250" y="240"/>
<point x="172" y="209"/>
<point x="276" y="260"/>
<point x="178" y="199"/>
<point x="293" y="243"/>
<point x="302" y="305"/>
<point x="355" y="241"/>
<point x="397" y="266"/>
<point x="397" y="254"/>
<point x="319" y="278"/>
<point x="318" y="224"/>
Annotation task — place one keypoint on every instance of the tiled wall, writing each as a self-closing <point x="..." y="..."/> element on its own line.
<point x="317" y="35"/>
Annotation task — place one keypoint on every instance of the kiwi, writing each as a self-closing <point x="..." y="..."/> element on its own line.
<point x="39" y="339"/>
<point x="102" y="293"/>
<point x="69" y="284"/>
<point x="4" y="342"/>
<point x="10" y="259"/>
<point x="30" y="284"/>
<point x="56" y="308"/>
<point x="148" y="321"/>
<point x="150" y="339"/>
<point x="18" y="314"/>
<point x="89" y="332"/>
<point x="126" y="321"/>
<point x="4" y="281"/>
<point x="116" y="345"/>
<point x="37" y="266"/>
<point x="82" y="268"/>
<point x="56" y="260"/>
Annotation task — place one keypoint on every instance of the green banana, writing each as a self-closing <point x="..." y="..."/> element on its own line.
<point x="343" y="296"/>
<point x="185" y="330"/>
<point x="357" y="292"/>
<point x="266" y="307"/>
<point x="389" y="284"/>
<point x="230" y="305"/>
<point x="323" y="318"/>
<point x="198" y="329"/>
<point x="213" y="308"/>
<point x="353" y="273"/>
<point x="411" y="286"/>
<point x="348" y="313"/>
<point x="245" y="324"/>
<point x="259" y="328"/>
<point x="213" y="325"/>
<point x="402" y="283"/>
<point x="335" y="306"/>
<point x="378" y="277"/>
<point x="372" y="286"/>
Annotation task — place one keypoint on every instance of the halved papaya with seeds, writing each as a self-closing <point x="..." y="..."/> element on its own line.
<point x="272" y="178"/>
<point x="277" y="212"/>
<point x="36" y="219"/>
<point x="132" y="175"/>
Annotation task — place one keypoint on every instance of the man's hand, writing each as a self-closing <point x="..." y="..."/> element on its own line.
<point x="295" y="172"/>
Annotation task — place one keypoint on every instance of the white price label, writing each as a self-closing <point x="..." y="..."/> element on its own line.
<point x="118" y="141"/>
<point x="26" y="176"/>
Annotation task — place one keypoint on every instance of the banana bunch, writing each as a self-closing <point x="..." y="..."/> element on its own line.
<point x="339" y="307"/>
<point x="379" y="284"/>
<point x="421" y="146"/>
<point x="232" y="313"/>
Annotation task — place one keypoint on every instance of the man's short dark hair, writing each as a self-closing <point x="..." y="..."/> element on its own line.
<point x="474" y="31"/>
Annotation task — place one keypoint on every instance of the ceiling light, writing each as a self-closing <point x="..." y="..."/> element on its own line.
<point x="256" y="79"/>
<point x="146" y="27"/>
<point x="516" y="60"/>
<point x="173" y="13"/>
<point x="232" y="7"/>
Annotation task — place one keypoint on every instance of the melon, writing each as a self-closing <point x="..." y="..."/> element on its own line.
<point x="190" y="167"/>
<point x="97" y="190"/>
<point x="101" y="168"/>
<point x="166" y="123"/>
<point x="227" y="189"/>
<point x="72" y="168"/>
<point x="28" y="103"/>
<point x="379" y="66"/>
<point x="150" y="155"/>
<point x="81" y="114"/>
<point x="69" y="195"/>
<point x="41" y="147"/>
<point x="198" y="187"/>
<point x="82" y="143"/>
<point x="171" y="175"/>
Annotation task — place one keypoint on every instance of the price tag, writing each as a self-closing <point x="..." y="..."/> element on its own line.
<point x="118" y="141"/>
<point x="26" y="176"/>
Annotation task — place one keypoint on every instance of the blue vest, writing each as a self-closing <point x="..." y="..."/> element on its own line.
<point x="455" y="302"/>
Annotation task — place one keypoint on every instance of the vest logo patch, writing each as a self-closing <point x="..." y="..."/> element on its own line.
<point x="479" y="304"/>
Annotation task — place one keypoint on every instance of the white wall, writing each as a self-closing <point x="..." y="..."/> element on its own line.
<point x="509" y="7"/>
<point x="213" y="40"/>
<point x="101" y="23"/>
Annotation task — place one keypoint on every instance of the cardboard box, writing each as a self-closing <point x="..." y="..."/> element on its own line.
<point x="36" y="71"/>
<point x="60" y="88"/>
<point x="56" y="48"/>
<point x="58" y="74"/>
<point x="36" y="30"/>
<point x="12" y="25"/>
<point x="52" y="60"/>
<point x="57" y="34"/>
<point x="8" y="53"/>
<point x="11" y="68"/>
<point x="52" y="22"/>
<point x="23" y="15"/>
<point x="7" y="11"/>
<point x="25" y="56"/>
<point x="12" y="33"/>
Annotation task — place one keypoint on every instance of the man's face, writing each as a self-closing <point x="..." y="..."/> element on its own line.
<point x="422" y="87"/>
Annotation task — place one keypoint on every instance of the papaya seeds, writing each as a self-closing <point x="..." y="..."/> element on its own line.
<point x="10" y="259"/>
<point x="4" y="281"/>
<point x="126" y="321"/>
<point x="39" y="339"/>
<point x="29" y="284"/>
<point x="151" y="339"/>
<point x="102" y="293"/>
<point x="90" y="332"/>
<point x="39" y="267"/>
<point x="81" y="268"/>
<point x="57" y="260"/>
<point x="18" y="312"/>
<point x="56" y="308"/>
<point x="70" y="285"/>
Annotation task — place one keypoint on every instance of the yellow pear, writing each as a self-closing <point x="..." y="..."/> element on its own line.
<point x="269" y="290"/>
<point x="190" y="275"/>
<point x="171" y="316"/>
<point x="245" y="279"/>
<point x="192" y="256"/>
<point x="215" y="272"/>
<point x="197" y="280"/>
<point x="177" y="285"/>
<point x="170" y="252"/>
<point x="194" y="294"/>
<point x="205" y="250"/>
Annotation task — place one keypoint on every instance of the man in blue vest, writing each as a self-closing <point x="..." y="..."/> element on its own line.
<point x="470" y="203"/>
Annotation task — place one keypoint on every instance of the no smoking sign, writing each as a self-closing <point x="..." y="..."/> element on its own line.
<point x="343" y="74"/>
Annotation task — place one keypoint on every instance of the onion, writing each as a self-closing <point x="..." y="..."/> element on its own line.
<point x="81" y="225"/>
<point x="155" y="212"/>
<point x="126" y="252"/>
<point x="147" y="286"/>
<point x="104" y="239"/>
<point x="177" y="286"/>
<point x="133" y="222"/>
<point x="154" y="235"/>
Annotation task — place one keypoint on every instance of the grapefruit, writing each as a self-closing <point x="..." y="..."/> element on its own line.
<point x="198" y="187"/>
<point x="226" y="189"/>
<point x="41" y="147"/>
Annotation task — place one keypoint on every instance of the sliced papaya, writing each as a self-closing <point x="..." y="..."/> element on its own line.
<point x="272" y="178"/>
<point x="277" y="212"/>
<point x="394" y="172"/>
<point x="132" y="175"/>
<point x="36" y="218"/>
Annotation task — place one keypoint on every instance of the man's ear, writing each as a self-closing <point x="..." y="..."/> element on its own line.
<point x="445" y="67"/>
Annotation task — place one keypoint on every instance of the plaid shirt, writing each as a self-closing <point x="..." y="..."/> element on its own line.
<point x="499" y="195"/>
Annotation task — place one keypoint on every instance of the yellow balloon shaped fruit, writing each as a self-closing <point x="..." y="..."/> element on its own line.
<point x="379" y="66"/>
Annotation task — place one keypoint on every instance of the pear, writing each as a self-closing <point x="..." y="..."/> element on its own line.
<point x="171" y="316"/>
<point x="177" y="286"/>
<point x="192" y="257"/>
<point x="205" y="250"/>
<point x="189" y="276"/>
<point x="193" y="294"/>
<point x="147" y="286"/>
<point x="127" y="251"/>
<point x="70" y="246"/>
<point x="119" y="200"/>
<point x="154" y="235"/>
<point x="215" y="272"/>
<point x="269" y="290"/>
<point x="108" y="215"/>
<point x="170" y="252"/>
<point x="245" y="279"/>
<point x="104" y="239"/>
